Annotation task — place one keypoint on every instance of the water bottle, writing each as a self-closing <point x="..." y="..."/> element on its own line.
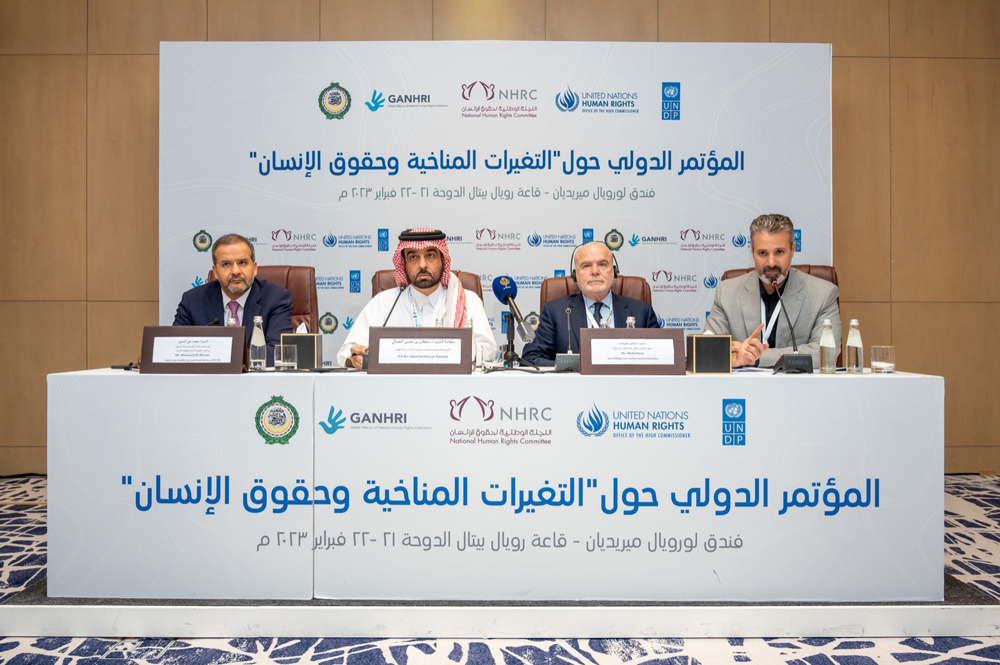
<point x="604" y="324"/>
<point x="630" y="322"/>
<point x="258" y="345"/>
<point x="231" y="322"/>
<point x="439" y="323"/>
<point x="854" y="353"/>
<point x="827" y="349"/>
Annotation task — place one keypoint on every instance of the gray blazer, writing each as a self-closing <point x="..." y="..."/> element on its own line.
<point x="808" y="300"/>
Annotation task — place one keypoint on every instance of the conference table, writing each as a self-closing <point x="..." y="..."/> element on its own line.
<point x="505" y="486"/>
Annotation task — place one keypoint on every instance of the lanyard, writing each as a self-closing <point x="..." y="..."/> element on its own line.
<point x="766" y="334"/>
<point x="438" y="308"/>
<point x="592" y="322"/>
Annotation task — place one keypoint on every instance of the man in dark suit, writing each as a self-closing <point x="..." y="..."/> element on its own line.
<point x="238" y="294"/>
<point x="594" y="272"/>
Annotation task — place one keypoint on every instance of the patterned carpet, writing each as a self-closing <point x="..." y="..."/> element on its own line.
<point x="971" y="554"/>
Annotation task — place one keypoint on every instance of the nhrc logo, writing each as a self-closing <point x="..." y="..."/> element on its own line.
<point x="734" y="422"/>
<point x="383" y="240"/>
<point x="671" y="103"/>
<point x="593" y="423"/>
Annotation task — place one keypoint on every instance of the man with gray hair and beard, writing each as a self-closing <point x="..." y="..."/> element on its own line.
<point x="748" y="307"/>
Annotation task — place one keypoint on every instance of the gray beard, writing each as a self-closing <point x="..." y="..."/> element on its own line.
<point x="780" y="279"/>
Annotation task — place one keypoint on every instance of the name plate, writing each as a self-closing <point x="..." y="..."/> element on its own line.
<point x="427" y="350"/>
<point x="192" y="349"/>
<point x="631" y="351"/>
<point x="419" y="350"/>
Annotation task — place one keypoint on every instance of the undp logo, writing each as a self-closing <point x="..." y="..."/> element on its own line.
<point x="383" y="240"/>
<point x="330" y="240"/>
<point x="534" y="240"/>
<point x="734" y="422"/>
<point x="568" y="100"/>
<point x="355" y="277"/>
<point x="798" y="240"/>
<point x="588" y="235"/>
<point x="740" y="240"/>
<point x="671" y="101"/>
<point x="593" y="423"/>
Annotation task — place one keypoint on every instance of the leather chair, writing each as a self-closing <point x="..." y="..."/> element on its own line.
<point x="383" y="280"/>
<point x="301" y="281"/>
<point x="829" y="273"/>
<point x="629" y="286"/>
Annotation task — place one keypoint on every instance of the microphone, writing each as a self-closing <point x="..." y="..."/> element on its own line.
<point x="569" y="361"/>
<point x="401" y="289"/>
<point x="213" y="322"/>
<point x="794" y="362"/>
<point x="505" y="290"/>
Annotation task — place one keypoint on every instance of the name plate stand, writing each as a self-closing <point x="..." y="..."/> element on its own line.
<point x="420" y="351"/>
<point x="620" y="351"/>
<point x="193" y="350"/>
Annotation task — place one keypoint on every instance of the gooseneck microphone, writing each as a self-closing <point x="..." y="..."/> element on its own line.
<point x="401" y="289"/>
<point x="213" y="322"/>
<point x="505" y="290"/>
<point x="794" y="362"/>
<point x="569" y="331"/>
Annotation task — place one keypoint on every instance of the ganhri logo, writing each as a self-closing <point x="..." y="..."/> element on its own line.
<point x="740" y="240"/>
<point x="458" y="407"/>
<point x="334" y="421"/>
<point x="377" y="102"/>
<point x="671" y="109"/>
<point x="277" y="420"/>
<point x="634" y="242"/>
<point x="383" y="240"/>
<point x="710" y="282"/>
<point x="734" y="422"/>
<point x="594" y="424"/>
<point x="328" y="323"/>
<point x="568" y="100"/>
<point x="797" y="233"/>
<point x="355" y="281"/>
<point x="534" y="240"/>
<point x="330" y="240"/>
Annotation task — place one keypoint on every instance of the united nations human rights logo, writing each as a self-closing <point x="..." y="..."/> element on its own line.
<point x="202" y="241"/>
<point x="614" y="240"/>
<point x="334" y="101"/>
<point x="593" y="423"/>
<point x="328" y="323"/>
<point x="277" y="421"/>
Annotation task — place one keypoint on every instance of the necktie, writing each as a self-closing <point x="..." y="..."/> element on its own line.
<point x="598" y="306"/>
<point x="233" y="308"/>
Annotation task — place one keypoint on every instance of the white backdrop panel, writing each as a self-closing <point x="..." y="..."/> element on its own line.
<point x="245" y="147"/>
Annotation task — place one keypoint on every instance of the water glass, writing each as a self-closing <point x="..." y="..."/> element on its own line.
<point x="883" y="359"/>
<point x="486" y="355"/>
<point x="286" y="357"/>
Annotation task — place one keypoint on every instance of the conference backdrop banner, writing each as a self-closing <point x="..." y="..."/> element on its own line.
<point x="322" y="153"/>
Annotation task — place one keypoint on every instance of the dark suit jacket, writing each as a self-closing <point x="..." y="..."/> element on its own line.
<point x="551" y="335"/>
<point x="203" y="304"/>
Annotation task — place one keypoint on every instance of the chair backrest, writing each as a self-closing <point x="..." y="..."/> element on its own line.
<point x="829" y="273"/>
<point x="629" y="286"/>
<point x="385" y="279"/>
<point x="301" y="281"/>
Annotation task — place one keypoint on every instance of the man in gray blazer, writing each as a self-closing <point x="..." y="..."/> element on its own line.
<point x="748" y="308"/>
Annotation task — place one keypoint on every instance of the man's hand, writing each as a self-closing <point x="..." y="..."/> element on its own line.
<point x="357" y="358"/>
<point x="748" y="351"/>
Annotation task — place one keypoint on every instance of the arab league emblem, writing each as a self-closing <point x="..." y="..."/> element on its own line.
<point x="334" y="101"/>
<point x="202" y="241"/>
<point x="277" y="421"/>
<point x="614" y="240"/>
